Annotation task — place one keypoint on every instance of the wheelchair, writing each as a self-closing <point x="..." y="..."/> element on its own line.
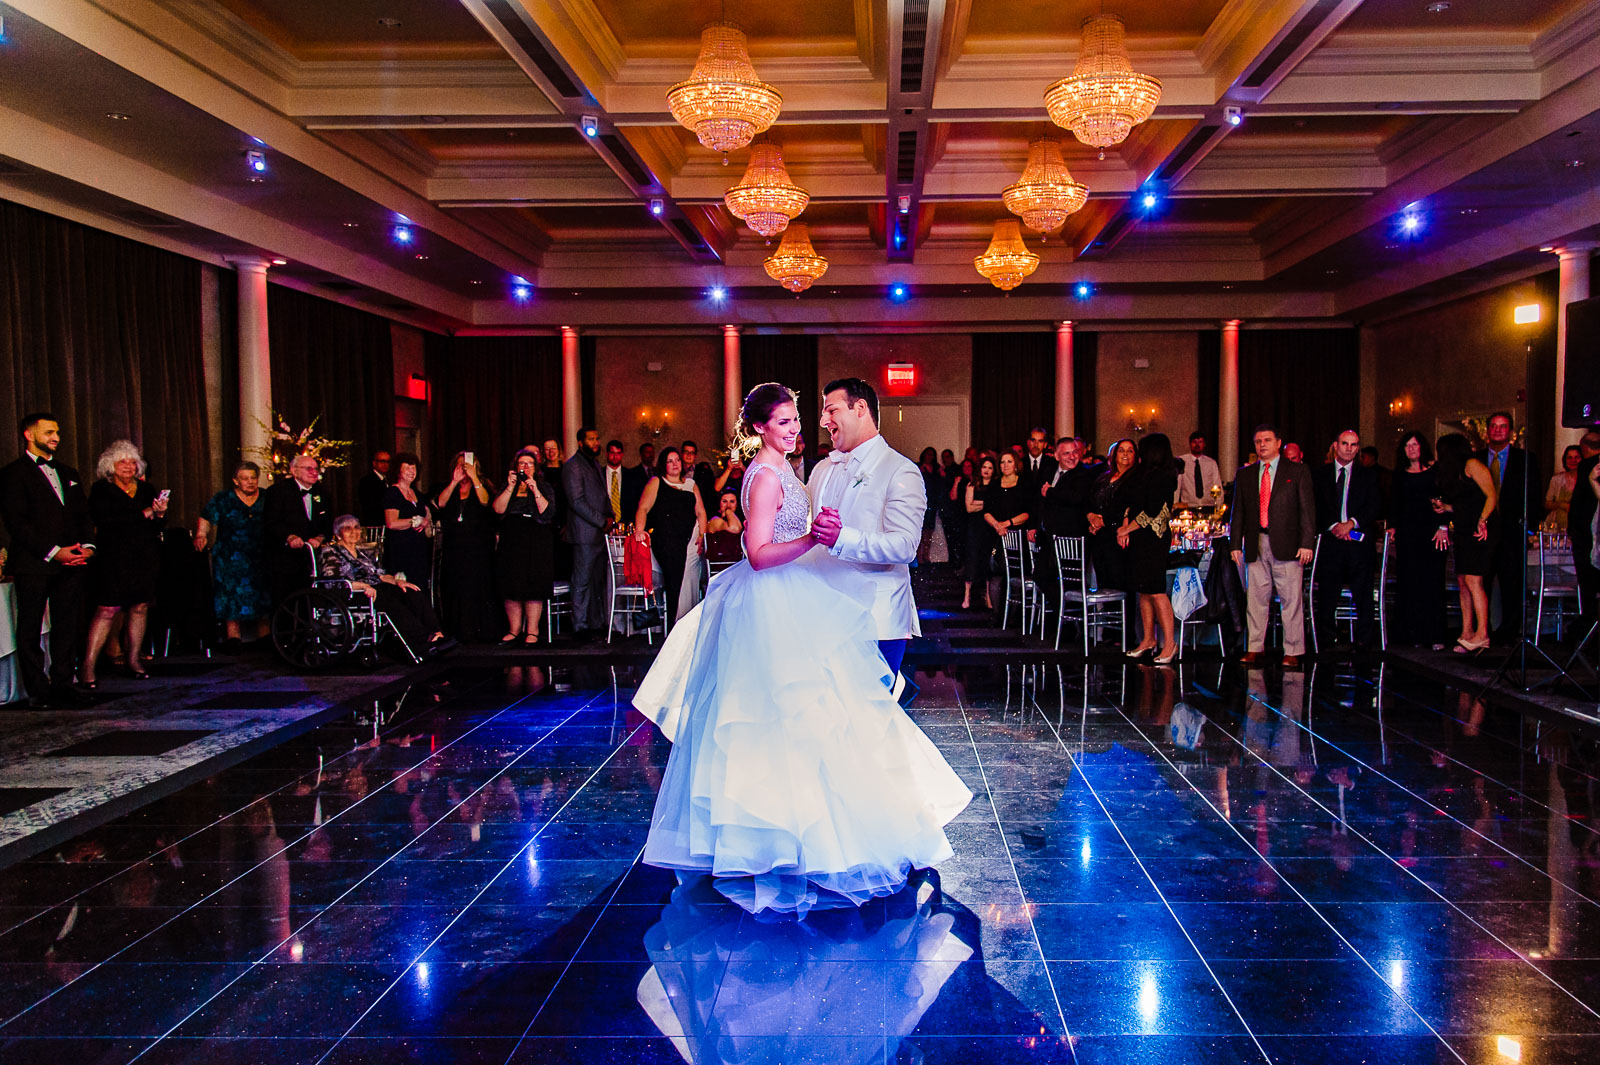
<point x="329" y="622"/>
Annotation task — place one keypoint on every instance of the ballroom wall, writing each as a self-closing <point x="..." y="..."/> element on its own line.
<point x="1168" y="383"/>
<point x="688" y="384"/>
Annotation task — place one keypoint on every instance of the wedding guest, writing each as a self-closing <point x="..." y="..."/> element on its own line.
<point x="372" y="488"/>
<point x="408" y="545"/>
<point x="129" y="515"/>
<point x="296" y="518"/>
<point x="954" y="513"/>
<point x="525" y="560"/>
<point x="732" y="475"/>
<point x="1148" y="490"/>
<point x="1199" y="473"/>
<point x="933" y="485"/>
<point x="1063" y="509"/>
<point x="1039" y="464"/>
<point x="588" y="521"/>
<point x="1273" y="527"/>
<point x="233" y="525"/>
<point x="615" y="494"/>
<point x="1107" y="509"/>
<point x="402" y="600"/>
<point x="47" y="517"/>
<point x="1580" y="526"/>
<point x="1511" y="470"/>
<point x="1348" y="501"/>
<point x="554" y="458"/>
<point x="723" y="532"/>
<point x="466" y="553"/>
<point x="1470" y="500"/>
<point x="980" y="535"/>
<point x="1558" y="497"/>
<point x="672" y="521"/>
<point x="1419" y="565"/>
<point x="634" y="478"/>
<point x="1293" y="453"/>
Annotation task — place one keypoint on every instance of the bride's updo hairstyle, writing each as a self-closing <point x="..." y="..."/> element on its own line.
<point x="757" y="410"/>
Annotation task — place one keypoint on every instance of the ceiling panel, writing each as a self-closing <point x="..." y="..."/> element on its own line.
<point x="1064" y="18"/>
<point x="334" y="29"/>
<point x="1524" y="15"/>
<point x="636" y="22"/>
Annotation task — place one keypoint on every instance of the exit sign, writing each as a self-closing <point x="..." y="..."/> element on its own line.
<point x="901" y="378"/>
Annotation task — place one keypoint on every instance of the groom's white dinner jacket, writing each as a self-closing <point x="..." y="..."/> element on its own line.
<point x="881" y="501"/>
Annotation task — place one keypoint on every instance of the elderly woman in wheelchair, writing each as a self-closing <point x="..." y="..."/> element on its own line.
<point x="405" y="604"/>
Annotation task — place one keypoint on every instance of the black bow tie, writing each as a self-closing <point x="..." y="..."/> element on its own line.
<point x="304" y="492"/>
<point x="46" y="464"/>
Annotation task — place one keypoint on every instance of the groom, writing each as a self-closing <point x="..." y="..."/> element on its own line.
<point x="867" y="503"/>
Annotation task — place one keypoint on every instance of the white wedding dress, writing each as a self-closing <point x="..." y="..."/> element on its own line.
<point x="795" y="778"/>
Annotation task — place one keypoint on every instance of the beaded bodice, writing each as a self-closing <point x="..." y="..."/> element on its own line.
<point x="794" y="515"/>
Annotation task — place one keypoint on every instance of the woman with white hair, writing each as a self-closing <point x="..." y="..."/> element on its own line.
<point x="128" y="515"/>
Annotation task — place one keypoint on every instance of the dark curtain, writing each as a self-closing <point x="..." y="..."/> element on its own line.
<point x="1541" y="405"/>
<point x="1013" y="386"/>
<point x="228" y="331"/>
<point x="588" y="352"/>
<point x="1085" y="355"/>
<point x="336" y="364"/>
<point x="792" y="360"/>
<point x="1304" y="381"/>
<point x="491" y="395"/>
<point x="1209" y="390"/>
<point x="105" y="333"/>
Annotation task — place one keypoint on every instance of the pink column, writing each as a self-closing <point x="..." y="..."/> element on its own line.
<point x="571" y="389"/>
<point x="732" y="384"/>
<point x="1064" y="397"/>
<point x="255" y="358"/>
<point x="1228" y="401"/>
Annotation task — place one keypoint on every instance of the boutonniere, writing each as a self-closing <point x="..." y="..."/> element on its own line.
<point x="859" y="481"/>
<point x="316" y="499"/>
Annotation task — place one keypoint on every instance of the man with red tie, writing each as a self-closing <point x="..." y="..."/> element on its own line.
<point x="1273" y="526"/>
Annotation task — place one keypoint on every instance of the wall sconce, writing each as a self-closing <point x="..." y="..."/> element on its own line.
<point x="1400" y="407"/>
<point x="1141" y="423"/>
<point x="1527" y="314"/>
<point x="654" y="427"/>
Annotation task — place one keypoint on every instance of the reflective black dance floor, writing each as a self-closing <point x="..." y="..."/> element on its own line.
<point x="1336" y="866"/>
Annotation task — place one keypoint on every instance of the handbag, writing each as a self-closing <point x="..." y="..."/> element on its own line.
<point x="636" y="569"/>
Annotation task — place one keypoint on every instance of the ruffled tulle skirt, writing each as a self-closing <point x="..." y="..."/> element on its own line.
<point x="794" y="778"/>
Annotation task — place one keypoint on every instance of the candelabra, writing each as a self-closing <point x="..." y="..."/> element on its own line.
<point x="657" y="426"/>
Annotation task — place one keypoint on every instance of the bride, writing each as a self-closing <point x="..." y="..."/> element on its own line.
<point x="795" y="778"/>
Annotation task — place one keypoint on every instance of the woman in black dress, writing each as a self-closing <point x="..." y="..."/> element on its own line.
<point x="1467" y="494"/>
<point x="525" y="560"/>
<point x="126" y="572"/>
<point x="466" y="553"/>
<point x="1007" y="504"/>
<point x="1419" y="565"/>
<point x="1148" y="491"/>
<point x="669" y="517"/>
<point x="407" y="547"/>
<point x="980" y="537"/>
<point x="933" y="488"/>
<point x="1106" y="513"/>
<point x="954" y="510"/>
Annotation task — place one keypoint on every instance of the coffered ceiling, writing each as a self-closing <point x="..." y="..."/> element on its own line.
<point x="463" y="119"/>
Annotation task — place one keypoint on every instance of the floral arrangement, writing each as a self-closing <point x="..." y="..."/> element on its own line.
<point x="285" y="444"/>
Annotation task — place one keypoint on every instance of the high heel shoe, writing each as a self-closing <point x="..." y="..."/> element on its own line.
<point x="137" y="672"/>
<point x="1139" y="652"/>
<point x="1462" y="647"/>
<point x="1166" y="660"/>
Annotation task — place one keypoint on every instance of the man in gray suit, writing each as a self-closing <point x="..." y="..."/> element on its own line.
<point x="588" y="513"/>
<point x="1273" y="527"/>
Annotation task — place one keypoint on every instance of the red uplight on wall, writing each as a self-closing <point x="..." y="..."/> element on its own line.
<point x="417" y="387"/>
<point x="900" y="379"/>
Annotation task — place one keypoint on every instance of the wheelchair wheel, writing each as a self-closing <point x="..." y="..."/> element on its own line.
<point x="313" y="628"/>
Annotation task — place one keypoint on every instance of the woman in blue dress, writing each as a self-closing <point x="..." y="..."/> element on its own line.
<point x="239" y="592"/>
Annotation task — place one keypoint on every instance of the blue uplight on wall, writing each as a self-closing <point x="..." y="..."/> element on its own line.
<point x="1083" y="290"/>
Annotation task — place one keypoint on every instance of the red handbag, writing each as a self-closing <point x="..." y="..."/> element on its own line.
<point x="636" y="569"/>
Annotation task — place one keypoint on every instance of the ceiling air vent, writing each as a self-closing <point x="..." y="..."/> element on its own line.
<point x="1292" y="40"/>
<point x="905" y="167"/>
<point x="624" y="155"/>
<point x="146" y="219"/>
<point x="913" y="45"/>
<point x="534" y="48"/>
<point x="690" y="234"/>
<point x="1196" y="141"/>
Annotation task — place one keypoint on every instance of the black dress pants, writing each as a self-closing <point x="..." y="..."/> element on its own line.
<point x="62" y="590"/>
<point x="1345" y="564"/>
<point x="411" y="613"/>
<point x="1510" y="573"/>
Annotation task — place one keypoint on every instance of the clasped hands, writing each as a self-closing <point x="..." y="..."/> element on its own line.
<point x="826" y="527"/>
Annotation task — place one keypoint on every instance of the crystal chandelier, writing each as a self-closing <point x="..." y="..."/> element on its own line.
<point x="723" y="103"/>
<point x="765" y="199"/>
<point x="796" y="264"/>
<point x="1045" y="193"/>
<point x="1008" y="260"/>
<point x="1103" y="99"/>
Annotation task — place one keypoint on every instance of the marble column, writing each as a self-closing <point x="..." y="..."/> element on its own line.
<point x="732" y="382"/>
<point x="1228" y="401"/>
<point x="1574" y="286"/>
<point x="1064" y="396"/>
<point x="255" y="360"/>
<point x="571" y="390"/>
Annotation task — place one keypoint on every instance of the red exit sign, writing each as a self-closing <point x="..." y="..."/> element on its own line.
<point x="901" y="378"/>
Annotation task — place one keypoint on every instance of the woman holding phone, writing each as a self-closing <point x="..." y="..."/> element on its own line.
<point x="466" y="554"/>
<point x="128" y="515"/>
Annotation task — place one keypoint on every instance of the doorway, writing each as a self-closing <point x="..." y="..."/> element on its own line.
<point x="910" y="424"/>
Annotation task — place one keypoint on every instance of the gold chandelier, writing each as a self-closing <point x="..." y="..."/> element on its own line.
<point x="765" y="199"/>
<point x="1008" y="260"/>
<point x="1103" y="99"/>
<point x="1045" y="194"/>
<point x="796" y="264"/>
<point x="724" y="103"/>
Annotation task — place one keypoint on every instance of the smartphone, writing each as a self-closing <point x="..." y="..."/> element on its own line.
<point x="163" y="495"/>
<point x="1357" y="534"/>
<point x="468" y="458"/>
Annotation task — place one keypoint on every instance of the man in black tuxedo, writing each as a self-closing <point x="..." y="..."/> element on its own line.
<point x="1038" y="465"/>
<point x="634" y="478"/>
<point x="1063" y="511"/>
<point x="47" y="516"/>
<point x="296" y="518"/>
<point x="1349" y="500"/>
<point x="1511" y="470"/>
<point x="588" y="519"/>
<point x="1580" y="526"/>
<point x="1273" y="526"/>
<point x="372" y="487"/>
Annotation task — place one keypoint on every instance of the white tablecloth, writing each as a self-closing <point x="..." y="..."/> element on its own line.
<point x="11" y="689"/>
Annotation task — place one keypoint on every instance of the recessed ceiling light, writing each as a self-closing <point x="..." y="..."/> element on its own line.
<point x="394" y="23"/>
<point x="474" y="282"/>
<point x="256" y="179"/>
<point x="1330" y="271"/>
<point x="1574" y="163"/>
<point x="280" y="262"/>
<point x="1469" y="210"/>
<point x="419" y="255"/>
<point x="1439" y="7"/>
<point x="1227" y="288"/>
<point x="1390" y="247"/>
<point x="352" y="225"/>
<point x="117" y="116"/>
